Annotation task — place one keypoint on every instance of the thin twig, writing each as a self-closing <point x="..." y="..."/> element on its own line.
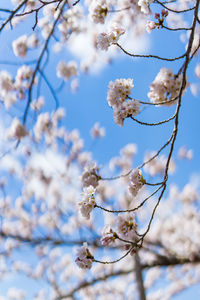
<point x="149" y="55"/>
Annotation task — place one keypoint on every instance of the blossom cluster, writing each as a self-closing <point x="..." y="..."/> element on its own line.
<point x="109" y="236"/>
<point x="97" y="131"/>
<point x="105" y="40"/>
<point x="66" y="71"/>
<point x="150" y="25"/>
<point x="98" y="10"/>
<point x="144" y="6"/>
<point x="118" y="93"/>
<point x="136" y="181"/>
<point x="90" y="176"/>
<point x="165" y="88"/>
<point x="23" y="43"/>
<point x="88" y="202"/>
<point x="84" y="257"/>
<point x="16" y="130"/>
<point x="126" y="229"/>
<point x="11" y="89"/>
<point x="47" y="125"/>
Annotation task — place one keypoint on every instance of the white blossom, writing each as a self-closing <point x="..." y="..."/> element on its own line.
<point x="105" y="40"/>
<point x="20" y="46"/>
<point x="184" y="153"/>
<point x="97" y="131"/>
<point x="118" y="91"/>
<point x="136" y="181"/>
<point x="150" y="25"/>
<point x="37" y="104"/>
<point x="88" y="202"/>
<point x="108" y="236"/>
<point x="66" y="71"/>
<point x="90" y="176"/>
<point x="6" y="82"/>
<point x="127" y="227"/>
<point x="98" y="10"/>
<point x="84" y="257"/>
<point x="16" y="130"/>
<point x="144" y="5"/>
<point x="165" y="88"/>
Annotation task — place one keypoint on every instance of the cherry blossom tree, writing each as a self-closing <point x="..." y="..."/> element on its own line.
<point x="72" y="227"/>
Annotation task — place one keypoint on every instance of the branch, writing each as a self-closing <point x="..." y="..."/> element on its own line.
<point x="12" y="14"/>
<point x="133" y="209"/>
<point x="43" y="240"/>
<point x="173" y="10"/>
<point x="139" y="279"/>
<point x="176" y="121"/>
<point x="152" y="124"/>
<point x="164" y="262"/>
<point x="39" y="61"/>
<point x="149" y="55"/>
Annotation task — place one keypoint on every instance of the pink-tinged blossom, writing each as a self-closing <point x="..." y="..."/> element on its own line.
<point x="150" y="25"/>
<point x="144" y="6"/>
<point x="105" y="40"/>
<point x="136" y="181"/>
<point x="184" y="153"/>
<point x="88" y="202"/>
<point x="33" y="41"/>
<point x="17" y="130"/>
<point x="127" y="227"/>
<point x="23" y="73"/>
<point x="42" y="125"/>
<point x="84" y="257"/>
<point x="165" y="87"/>
<point x="125" y="110"/>
<point x="6" y="82"/>
<point x="98" y="11"/>
<point x="97" y="131"/>
<point x="7" y="87"/>
<point x="109" y="236"/>
<point x="90" y="176"/>
<point x="118" y="91"/>
<point x="66" y="71"/>
<point x="20" y="46"/>
<point x="37" y="104"/>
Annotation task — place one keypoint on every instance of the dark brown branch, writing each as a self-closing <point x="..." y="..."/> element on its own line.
<point x="39" y="61"/>
<point x="176" y="121"/>
<point x="152" y="124"/>
<point x="149" y="55"/>
<point x="161" y="262"/>
<point x="173" y="10"/>
<point x="9" y="19"/>
<point x="133" y="209"/>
